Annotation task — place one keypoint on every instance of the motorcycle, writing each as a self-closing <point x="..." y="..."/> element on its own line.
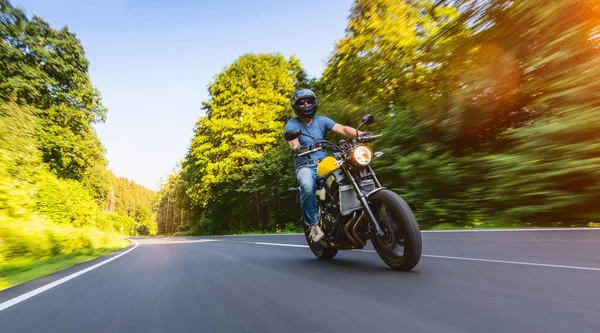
<point x="354" y="208"/>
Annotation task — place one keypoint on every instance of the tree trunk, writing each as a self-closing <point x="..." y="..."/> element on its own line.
<point x="258" y="215"/>
<point x="266" y="213"/>
<point x="167" y="222"/>
<point x="181" y="220"/>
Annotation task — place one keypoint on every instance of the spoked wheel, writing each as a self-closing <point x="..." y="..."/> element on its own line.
<point x="400" y="246"/>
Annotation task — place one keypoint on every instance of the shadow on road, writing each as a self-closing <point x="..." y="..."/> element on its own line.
<point x="336" y="265"/>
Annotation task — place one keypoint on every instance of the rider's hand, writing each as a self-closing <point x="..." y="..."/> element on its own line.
<point x="300" y="149"/>
<point x="365" y="134"/>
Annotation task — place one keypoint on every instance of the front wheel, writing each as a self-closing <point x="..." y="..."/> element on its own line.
<point x="400" y="246"/>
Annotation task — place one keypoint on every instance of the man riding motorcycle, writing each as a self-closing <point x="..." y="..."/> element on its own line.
<point x="304" y="103"/>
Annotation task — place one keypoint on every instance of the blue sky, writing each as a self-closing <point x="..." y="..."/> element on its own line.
<point x="153" y="60"/>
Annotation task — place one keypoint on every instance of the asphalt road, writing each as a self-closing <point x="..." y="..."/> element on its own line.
<point x="531" y="281"/>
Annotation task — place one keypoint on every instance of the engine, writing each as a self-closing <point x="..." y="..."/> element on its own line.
<point x="329" y="214"/>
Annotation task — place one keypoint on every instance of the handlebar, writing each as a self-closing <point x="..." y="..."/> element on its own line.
<point x="323" y="144"/>
<point x="308" y="152"/>
<point x="369" y="138"/>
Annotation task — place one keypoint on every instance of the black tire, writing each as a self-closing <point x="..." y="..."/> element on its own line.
<point x="322" y="252"/>
<point x="405" y="236"/>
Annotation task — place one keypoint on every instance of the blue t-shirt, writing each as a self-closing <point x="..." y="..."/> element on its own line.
<point x="318" y="129"/>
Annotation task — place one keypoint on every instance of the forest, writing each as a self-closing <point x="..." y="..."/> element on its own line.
<point x="59" y="204"/>
<point x="489" y="112"/>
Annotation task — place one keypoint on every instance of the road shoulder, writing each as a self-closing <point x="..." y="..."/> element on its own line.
<point x="28" y="286"/>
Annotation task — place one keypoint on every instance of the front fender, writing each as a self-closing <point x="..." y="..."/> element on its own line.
<point x="375" y="191"/>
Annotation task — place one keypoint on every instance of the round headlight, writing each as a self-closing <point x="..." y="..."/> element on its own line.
<point x="362" y="155"/>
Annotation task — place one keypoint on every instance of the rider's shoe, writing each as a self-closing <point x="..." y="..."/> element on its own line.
<point x="316" y="233"/>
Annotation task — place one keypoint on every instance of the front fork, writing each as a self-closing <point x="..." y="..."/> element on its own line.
<point x="364" y="200"/>
<point x="375" y="177"/>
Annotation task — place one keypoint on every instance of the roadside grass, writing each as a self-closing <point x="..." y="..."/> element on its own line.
<point x="24" y="270"/>
<point x="31" y="247"/>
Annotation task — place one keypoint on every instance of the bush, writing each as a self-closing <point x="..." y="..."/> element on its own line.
<point x="115" y="222"/>
<point x="65" y="201"/>
<point x="293" y="227"/>
<point x="20" y="161"/>
<point x="37" y="238"/>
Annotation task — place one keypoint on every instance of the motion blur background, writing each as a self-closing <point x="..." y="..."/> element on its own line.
<point x="489" y="110"/>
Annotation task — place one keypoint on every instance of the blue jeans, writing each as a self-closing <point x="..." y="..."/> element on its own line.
<point x="307" y="178"/>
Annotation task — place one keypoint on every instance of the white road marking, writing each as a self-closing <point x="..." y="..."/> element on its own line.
<point x="512" y="230"/>
<point x="160" y="242"/>
<point x="514" y="262"/>
<point x="19" y="299"/>
<point x="279" y="244"/>
<point x="259" y="235"/>
<point x="263" y="243"/>
<point x="523" y="263"/>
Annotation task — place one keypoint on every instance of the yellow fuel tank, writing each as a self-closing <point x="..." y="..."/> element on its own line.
<point x="326" y="166"/>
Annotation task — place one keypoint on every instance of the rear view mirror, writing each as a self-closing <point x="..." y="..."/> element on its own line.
<point x="292" y="134"/>
<point x="368" y="119"/>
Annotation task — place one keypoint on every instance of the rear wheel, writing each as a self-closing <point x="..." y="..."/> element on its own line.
<point x="400" y="246"/>
<point x="321" y="250"/>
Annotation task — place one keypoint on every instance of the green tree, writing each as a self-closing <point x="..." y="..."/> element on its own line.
<point x="545" y="163"/>
<point x="394" y="63"/>
<point x="47" y="69"/>
<point x="133" y="201"/>
<point x="249" y="102"/>
<point x="270" y="182"/>
<point x="65" y="201"/>
<point x="53" y="173"/>
<point x="492" y="110"/>
<point x="392" y="47"/>
<point x="172" y="205"/>
<point x="19" y="159"/>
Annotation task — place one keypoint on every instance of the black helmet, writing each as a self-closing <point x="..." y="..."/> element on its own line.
<point x="305" y="111"/>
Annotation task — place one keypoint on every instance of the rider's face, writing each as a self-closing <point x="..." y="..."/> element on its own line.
<point x="304" y="102"/>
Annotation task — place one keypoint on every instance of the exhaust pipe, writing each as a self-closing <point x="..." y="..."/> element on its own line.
<point x="355" y="235"/>
<point x="347" y="230"/>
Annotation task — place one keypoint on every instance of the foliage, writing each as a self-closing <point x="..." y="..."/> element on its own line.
<point x="249" y="102"/>
<point x="134" y="202"/>
<point x="53" y="177"/>
<point x="116" y="221"/>
<point x="276" y="203"/>
<point x="47" y="69"/>
<point x="50" y="239"/>
<point x="72" y="149"/>
<point x="489" y="111"/>
<point x="19" y="159"/>
<point x="65" y="201"/>
<point x="392" y="47"/>
<point x="544" y="160"/>
<point x="393" y="63"/>
<point x="29" y="269"/>
<point x="484" y="116"/>
<point x="171" y="206"/>
<point x="27" y="244"/>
